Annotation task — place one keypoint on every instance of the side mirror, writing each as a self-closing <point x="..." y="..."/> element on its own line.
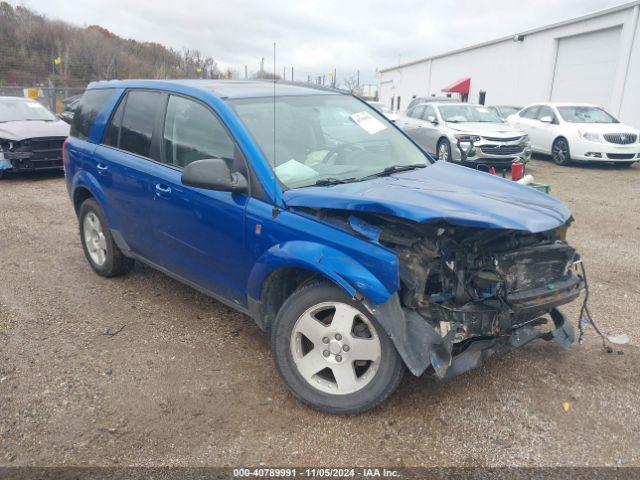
<point x="214" y="174"/>
<point x="546" y="119"/>
<point x="432" y="119"/>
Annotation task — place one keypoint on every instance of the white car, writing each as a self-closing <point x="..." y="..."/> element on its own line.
<point x="578" y="132"/>
<point x="386" y="111"/>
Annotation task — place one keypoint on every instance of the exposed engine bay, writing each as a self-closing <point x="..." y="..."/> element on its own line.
<point x="486" y="288"/>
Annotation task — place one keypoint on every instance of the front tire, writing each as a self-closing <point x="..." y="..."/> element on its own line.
<point x="331" y="353"/>
<point x="560" y="153"/>
<point x="101" y="251"/>
<point x="444" y="150"/>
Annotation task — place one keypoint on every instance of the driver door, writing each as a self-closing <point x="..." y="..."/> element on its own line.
<point x="199" y="233"/>
<point x="545" y="132"/>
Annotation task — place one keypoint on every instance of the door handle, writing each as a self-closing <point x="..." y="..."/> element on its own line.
<point x="102" y="168"/>
<point x="162" y="189"/>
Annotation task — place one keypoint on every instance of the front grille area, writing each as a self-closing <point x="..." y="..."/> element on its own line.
<point x="44" y="152"/>
<point x="620" y="156"/>
<point x="535" y="267"/>
<point x="501" y="149"/>
<point x="621" y="138"/>
<point x="500" y="139"/>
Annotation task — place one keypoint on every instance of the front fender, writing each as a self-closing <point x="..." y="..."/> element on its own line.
<point x="84" y="179"/>
<point x="343" y="270"/>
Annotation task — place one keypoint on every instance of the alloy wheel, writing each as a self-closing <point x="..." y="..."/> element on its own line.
<point x="94" y="238"/>
<point x="335" y="348"/>
<point x="443" y="152"/>
<point x="560" y="153"/>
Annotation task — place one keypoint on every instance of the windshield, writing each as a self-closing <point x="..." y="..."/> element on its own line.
<point x="380" y="107"/>
<point x="585" y="115"/>
<point x="18" y="109"/>
<point x="467" y="113"/>
<point x="325" y="138"/>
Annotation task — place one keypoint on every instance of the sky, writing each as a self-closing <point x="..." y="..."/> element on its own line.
<point x="315" y="36"/>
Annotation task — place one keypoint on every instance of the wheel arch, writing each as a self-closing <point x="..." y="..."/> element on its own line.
<point x="285" y="267"/>
<point x="86" y="186"/>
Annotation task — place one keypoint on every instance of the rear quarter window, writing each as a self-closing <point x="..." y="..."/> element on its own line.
<point x="90" y="105"/>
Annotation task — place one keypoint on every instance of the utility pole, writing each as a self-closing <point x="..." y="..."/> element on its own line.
<point x="292" y="74"/>
<point x="284" y="73"/>
<point x="262" y="65"/>
<point x="245" y="72"/>
<point x="358" y="79"/>
<point x="334" y="78"/>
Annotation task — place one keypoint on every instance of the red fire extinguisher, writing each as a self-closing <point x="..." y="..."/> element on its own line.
<point x="517" y="170"/>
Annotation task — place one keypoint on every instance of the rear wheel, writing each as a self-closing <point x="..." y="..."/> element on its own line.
<point x="332" y="353"/>
<point x="560" y="152"/>
<point x="103" y="254"/>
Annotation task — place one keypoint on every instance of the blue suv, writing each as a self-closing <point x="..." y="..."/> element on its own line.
<point x="310" y="212"/>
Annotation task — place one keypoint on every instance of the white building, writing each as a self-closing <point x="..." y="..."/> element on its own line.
<point x="594" y="58"/>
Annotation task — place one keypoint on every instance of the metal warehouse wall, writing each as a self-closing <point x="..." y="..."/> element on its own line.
<point x="523" y="72"/>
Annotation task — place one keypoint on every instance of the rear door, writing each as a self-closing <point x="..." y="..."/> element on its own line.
<point x="411" y="122"/>
<point x="526" y="120"/>
<point x="125" y="164"/>
<point x="199" y="234"/>
<point x="429" y="132"/>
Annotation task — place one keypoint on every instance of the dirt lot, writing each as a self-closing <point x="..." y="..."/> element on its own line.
<point x="187" y="381"/>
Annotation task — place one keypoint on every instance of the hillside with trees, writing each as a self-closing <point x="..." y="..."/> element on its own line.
<point x="36" y="50"/>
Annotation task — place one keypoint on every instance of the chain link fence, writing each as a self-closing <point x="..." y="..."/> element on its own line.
<point x="54" y="98"/>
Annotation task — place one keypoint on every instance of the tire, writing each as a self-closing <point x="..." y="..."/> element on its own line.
<point x="443" y="151"/>
<point x="95" y="235"/>
<point x="560" y="153"/>
<point x="364" y="383"/>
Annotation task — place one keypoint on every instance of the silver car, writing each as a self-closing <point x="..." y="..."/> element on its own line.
<point x="465" y="133"/>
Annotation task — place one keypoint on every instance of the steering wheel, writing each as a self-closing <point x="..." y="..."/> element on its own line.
<point x="336" y="152"/>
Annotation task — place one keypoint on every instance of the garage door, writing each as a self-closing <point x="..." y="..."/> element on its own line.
<point x="586" y="67"/>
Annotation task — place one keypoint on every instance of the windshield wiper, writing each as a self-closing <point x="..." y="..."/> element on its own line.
<point x="333" y="181"/>
<point x="395" y="169"/>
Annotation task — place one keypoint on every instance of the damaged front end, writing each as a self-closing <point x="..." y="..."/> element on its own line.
<point x="467" y="292"/>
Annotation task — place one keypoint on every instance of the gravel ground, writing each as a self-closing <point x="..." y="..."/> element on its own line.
<point x="187" y="381"/>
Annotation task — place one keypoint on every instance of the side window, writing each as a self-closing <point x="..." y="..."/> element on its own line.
<point x="112" y="133"/>
<point x="138" y="120"/>
<point x="90" y="105"/>
<point x="416" y="112"/>
<point x="530" y="112"/>
<point x="192" y="132"/>
<point x="429" y="111"/>
<point x="545" y="111"/>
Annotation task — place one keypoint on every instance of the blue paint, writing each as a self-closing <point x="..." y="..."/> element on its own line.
<point x="5" y="165"/>
<point x="364" y="228"/>
<point x="442" y="192"/>
<point x="209" y="237"/>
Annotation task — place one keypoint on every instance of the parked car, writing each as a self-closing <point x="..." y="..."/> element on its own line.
<point x="465" y="133"/>
<point x="341" y="238"/>
<point x="31" y="136"/>
<point x="503" y="111"/>
<point x="418" y="100"/>
<point x="578" y="132"/>
<point x="386" y="111"/>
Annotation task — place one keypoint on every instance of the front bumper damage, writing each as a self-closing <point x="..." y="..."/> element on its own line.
<point x="421" y="346"/>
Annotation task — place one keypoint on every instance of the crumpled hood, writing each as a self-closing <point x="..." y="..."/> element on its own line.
<point x="33" y="129"/>
<point x="442" y="191"/>
<point x="486" y="128"/>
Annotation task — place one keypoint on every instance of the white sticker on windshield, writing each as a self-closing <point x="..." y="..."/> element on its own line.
<point x="483" y="110"/>
<point x="34" y="105"/>
<point x="368" y="122"/>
